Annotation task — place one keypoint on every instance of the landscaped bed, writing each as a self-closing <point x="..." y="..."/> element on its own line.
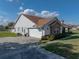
<point x="67" y="47"/>
<point x="7" y="34"/>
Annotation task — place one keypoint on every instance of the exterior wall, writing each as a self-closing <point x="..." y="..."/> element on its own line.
<point x="22" y="24"/>
<point x="77" y="28"/>
<point x="61" y="29"/>
<point x="55" y="28"/>
<point x="38" y="33"/>
<point x="47" y="30"/>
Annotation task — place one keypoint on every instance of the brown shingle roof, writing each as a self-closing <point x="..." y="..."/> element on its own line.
<point x="39" y="21"/>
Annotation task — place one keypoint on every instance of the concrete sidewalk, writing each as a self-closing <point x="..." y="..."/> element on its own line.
<point x="20" y="40"/>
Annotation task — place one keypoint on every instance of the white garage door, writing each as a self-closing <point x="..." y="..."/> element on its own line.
<point x="35" y="33"/>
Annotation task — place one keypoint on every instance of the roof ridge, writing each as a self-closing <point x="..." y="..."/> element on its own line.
<point x="39" y="21"/>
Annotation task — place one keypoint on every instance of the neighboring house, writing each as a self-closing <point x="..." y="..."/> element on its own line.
<point x="2" y="28"/>
<point x="35" y="26"/>
<point x="66" y="28"/>
<point x="75" y="27"/>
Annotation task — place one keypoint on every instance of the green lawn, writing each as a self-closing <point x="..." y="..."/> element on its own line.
<point x="67" y="47"/>
<point x="7" y="34"/>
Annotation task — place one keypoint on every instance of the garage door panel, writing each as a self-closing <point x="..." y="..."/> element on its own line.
<point x="35" y="33"/>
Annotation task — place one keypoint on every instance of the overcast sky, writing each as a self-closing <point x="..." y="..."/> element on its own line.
<point x="64" y="9"/>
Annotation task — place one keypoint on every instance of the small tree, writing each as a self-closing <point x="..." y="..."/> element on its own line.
<point x="9" y="25"/>
<point x="2" y="28"/>
<point x="6" y="27"/>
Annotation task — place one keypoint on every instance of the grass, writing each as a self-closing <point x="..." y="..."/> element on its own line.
<point x="7" y="34"/>
<point x="67" y="47"/>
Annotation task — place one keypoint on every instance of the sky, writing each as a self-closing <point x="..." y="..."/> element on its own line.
<point x="67" y="10"/>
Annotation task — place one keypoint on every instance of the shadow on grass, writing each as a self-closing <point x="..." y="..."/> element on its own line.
<point x="62" y="49"/>
<point x="68" y="36"/>
<point x="60" y="36"/>
<point x="71" y="37"/>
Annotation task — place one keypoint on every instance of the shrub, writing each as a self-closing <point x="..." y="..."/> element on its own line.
<point x="62" y="35"/>
<point x="19" y="34"/>
<point x="58" y="36"/>
<point x="43" y="41"/>
<point x="48" y="37"/>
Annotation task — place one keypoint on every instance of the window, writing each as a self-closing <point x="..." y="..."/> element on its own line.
<point x="18" y="28"/>
<point x="39" y="29"/>
<point x="47" y="28"/>
<point x="22" y="29"/>
<point x="15" y="29"/>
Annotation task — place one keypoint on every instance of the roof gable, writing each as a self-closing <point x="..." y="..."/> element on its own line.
<point x="39" y="21"/>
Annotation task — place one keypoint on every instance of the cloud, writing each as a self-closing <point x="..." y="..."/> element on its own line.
<point x="13" y="0"/>
<point x="22" y="3"/>
<point x="21" y="8"/>
<point x="4" y="20"/>
<point x="49" y="14"/>
<point x="44" y="14"/>
<point x="3" y="13"/>
<point x="29" y="12"/>
<point x="10" y="0"/>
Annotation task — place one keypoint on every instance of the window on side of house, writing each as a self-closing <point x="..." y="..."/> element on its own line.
<point x="22" y="29"/>
<point x="47" y="27"/>
<point x="15" y="29"/>
<point x="18" y="28"/>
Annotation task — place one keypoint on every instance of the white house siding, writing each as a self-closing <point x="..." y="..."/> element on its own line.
<point x="36" y="33"/>
<point x="22" y="24"/>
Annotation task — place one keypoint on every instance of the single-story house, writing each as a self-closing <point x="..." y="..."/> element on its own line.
<point x="35" y="26"/>
<point x="2" y="28"/>
<point x="75" y="27"/>
<point x="66" y="28"/>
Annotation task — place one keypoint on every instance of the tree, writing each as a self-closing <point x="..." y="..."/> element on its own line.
<point x="2" y="28"/>
<point x="9" y="25"/>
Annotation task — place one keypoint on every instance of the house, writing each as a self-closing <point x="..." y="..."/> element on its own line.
<point x="75" y="27"/>
<point x="2" y="28"/>
<point x="35" y="26"/>
<point x="65" y="27"/>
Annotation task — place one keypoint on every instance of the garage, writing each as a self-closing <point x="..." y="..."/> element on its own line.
<point x="35" y="33"/>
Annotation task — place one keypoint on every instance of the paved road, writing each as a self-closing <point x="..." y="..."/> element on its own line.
<point x="12" y="50"/>
<point x="30" y="53"/>
<point x="20" y="40"/>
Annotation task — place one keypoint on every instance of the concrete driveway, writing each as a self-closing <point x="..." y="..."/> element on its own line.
<point x="20" y="40"/>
